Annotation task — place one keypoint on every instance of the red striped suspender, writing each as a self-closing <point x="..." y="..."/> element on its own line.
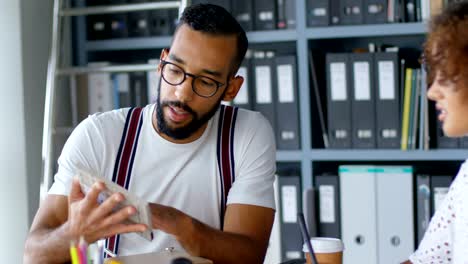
<point x="225" y="154"/>
<point x="129" y="142"/>
<point x="124" y="161"/>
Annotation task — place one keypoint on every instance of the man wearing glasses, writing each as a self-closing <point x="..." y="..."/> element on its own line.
<point x="176" y="162"/>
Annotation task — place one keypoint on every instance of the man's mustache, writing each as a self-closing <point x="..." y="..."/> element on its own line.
<point x="179" y="105"/>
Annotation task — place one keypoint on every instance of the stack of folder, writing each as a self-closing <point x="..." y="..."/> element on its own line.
<point x="260" y="14"/>
<point x="352" y="12"/>
<point x="376" y="217"/>
<point x="375" y="101"/>
<point x="363" y="101"/>
<point x="364" y="205"/>
<point x="367" y="207"/>
<point x="160" y="22"/>
<point x="270" y="87"/>
<point x="100" y="92"/>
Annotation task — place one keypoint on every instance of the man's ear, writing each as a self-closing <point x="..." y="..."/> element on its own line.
<point x="233" y="88"/>
<point x="164" y="53"/>
<point x="163" y="56"/>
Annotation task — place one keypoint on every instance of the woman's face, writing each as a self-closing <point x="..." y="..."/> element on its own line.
<point x="452" y="105"/>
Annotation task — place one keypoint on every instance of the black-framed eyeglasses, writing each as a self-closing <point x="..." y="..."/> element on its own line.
<point x="201" y="85"/>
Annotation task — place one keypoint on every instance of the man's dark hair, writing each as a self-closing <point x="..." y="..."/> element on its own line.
<point x="215" y="20"/>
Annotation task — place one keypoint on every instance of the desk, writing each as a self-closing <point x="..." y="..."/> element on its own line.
<point x="159" y="258"/>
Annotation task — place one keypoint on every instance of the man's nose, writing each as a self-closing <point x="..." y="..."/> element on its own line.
<point x="184" y="91"/>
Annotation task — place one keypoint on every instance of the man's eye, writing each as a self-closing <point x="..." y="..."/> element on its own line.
<point x="175" y="71"/>
<point x="207" y="83"/>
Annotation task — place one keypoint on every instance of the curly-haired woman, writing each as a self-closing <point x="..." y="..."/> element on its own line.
<point x="446" y="53"/>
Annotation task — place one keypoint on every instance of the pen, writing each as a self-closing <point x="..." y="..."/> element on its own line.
<point x="110" y="253"/>
<point x="306" y="238"/>
<point x="74" y="254"/>
<point x="100" y="252"/>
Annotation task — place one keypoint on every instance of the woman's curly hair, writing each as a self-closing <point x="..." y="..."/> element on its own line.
<point x="446" y="47"/>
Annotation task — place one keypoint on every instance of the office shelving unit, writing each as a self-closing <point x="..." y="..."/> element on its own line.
<point x="302" y="38"/>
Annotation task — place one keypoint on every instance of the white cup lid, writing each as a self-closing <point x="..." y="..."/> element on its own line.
<point x="324" y="245"/>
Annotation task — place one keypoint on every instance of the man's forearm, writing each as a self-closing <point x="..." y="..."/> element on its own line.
<point x="48" y="246"/>
<point x="218" y="246"/>
<point x="204" y="241"/>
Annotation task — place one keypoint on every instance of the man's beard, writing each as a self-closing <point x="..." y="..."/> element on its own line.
<point x="186" y="131"/>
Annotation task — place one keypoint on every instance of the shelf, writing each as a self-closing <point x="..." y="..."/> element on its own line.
<point x="111" y="9"/>
<point x="388" y="155"/>
<point x="165" y="41"/>
<point x="269" y="36"/>
<point x="353" y="31"/>
<point x="129" y="44"/>
<point x="272" y="36"/>
<point x="110" y="68"/>
<point x="289" y="155"/>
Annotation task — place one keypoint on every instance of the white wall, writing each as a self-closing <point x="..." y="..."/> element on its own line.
<point x="36" y="24"/>
<point x="24" y="48"/>
<point x="13" y="194"/>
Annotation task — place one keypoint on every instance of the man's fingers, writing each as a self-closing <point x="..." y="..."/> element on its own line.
<point x="118" y="217"/>
<point x="122" y="229"/>
<point x="129" y="228"/>
<point x="90" y="200"/>
<point x="106" y="207"/>
<point x="75" y="193"/>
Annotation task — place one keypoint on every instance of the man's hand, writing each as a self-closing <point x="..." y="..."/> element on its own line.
<point x="167" y="219"/>
<point x="244" y="239"/>
<point x="61" y="219"/>
<point x="94" y="221"/>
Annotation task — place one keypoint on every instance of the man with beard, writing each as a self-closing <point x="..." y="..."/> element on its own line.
<point x="175" y="160"/>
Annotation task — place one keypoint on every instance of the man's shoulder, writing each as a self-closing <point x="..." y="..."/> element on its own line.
<point x="105" y="123"/>
<point x="114" y="118"/>
<point x="250" y="118"/>
<point x="251" y="124"/>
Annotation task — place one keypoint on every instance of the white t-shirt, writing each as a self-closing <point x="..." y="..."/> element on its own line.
<point x="184" y="176"/>
<point x="446" y="239"/>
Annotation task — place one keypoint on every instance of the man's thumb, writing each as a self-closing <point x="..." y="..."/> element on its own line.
<point x="75" y="193"/>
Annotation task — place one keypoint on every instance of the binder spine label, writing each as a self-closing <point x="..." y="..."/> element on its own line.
<point x="285" y="84"/>
<point x="327" y="204"/>
<point x="289" y="204"/>
<point x="361" y="81"/>
<point x="338" y="81"/>
<point x="386" y="80"/>
<point x="263" y="84"/>
<point x="242" y="96"/>
<point x="319" y="12"/>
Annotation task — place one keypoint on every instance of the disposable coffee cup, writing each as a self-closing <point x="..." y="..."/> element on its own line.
<point x="327" y="250"/>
